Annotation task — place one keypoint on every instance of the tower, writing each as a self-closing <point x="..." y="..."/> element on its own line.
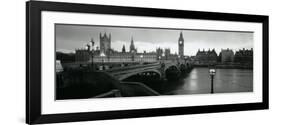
<point x="181" y="45"/>
<point x="105" y="43"/>
<point x="123" y="49"/>
<point x="132" y="46"/>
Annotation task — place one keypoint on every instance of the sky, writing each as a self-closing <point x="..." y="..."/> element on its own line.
<point x="71" y="37"/>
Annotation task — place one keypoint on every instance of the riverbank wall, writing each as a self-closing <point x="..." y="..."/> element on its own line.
<point x="225" y="66"/>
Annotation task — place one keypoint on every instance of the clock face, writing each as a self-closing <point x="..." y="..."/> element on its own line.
<point x="180" y="42"/>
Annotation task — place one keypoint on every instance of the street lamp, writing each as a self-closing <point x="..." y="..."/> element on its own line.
<point x="185" y="59"/>
<point x="141" y="56"/>
<point x="102" y="55"/>
<point x="178" y="59"/>
<point x="92" y="52"/>
<point x="163" y="55"/>
<point x="212" y="72"/>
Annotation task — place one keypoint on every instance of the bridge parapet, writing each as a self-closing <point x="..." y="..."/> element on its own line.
<point x="159" y="68"/>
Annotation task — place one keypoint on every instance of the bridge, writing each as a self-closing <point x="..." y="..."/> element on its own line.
<point x="111" y="81"/>
<point x="163" y="69"/>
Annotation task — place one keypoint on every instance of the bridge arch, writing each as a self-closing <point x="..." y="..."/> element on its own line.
<point x="172" y="72"/>
<point x="171" y="66"/>
<point x="141" y="71"/>
<point x="188" y="65"/>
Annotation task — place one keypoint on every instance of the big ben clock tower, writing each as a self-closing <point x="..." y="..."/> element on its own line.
<point x="181" y="45"/>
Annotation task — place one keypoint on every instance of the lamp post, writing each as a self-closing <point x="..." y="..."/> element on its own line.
<point x="212" y="72"/>
<point x="141" y="56"/>
<point x="92" y="52"/>
<point x="88" y="49"/>
<point x="102" y="55"/>
<point x="178" y="59"/>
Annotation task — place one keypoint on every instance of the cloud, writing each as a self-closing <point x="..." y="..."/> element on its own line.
<point x="117" y="45"/>
<point x="149" y="47"/>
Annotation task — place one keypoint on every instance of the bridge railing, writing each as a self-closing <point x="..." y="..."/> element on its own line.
<point x="117" y="69"/>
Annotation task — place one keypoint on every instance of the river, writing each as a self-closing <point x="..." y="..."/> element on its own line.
<point x="198" y="82"/>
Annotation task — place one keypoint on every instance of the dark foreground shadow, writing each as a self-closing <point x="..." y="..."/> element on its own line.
<point x="94" y="84"/>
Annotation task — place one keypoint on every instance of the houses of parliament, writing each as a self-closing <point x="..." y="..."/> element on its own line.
<point x="105" y="53"/>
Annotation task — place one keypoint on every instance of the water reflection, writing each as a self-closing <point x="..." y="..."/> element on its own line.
<point x="198" y="82"/>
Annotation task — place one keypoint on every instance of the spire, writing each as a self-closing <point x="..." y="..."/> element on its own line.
<point x="132" y="41"/>
<point x="181" y="37"/>
<point x="92" y="42"/>
<point x="132" y="46"/>
<point x="123" y="49"/>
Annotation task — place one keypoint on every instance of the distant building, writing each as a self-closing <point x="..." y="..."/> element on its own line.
<point x="106" y="54"/>
<point x="181" y="46"/>
<point x="132" y="46"/>
<point x="126" y="57"/>
<point x="146" y="57"/>
<point x="110" y="55"/>
<point x="167" y="53"/>
<point x="159" y="52"/>
<point x="123" y="49"/>
<point x="244" y="56"/>
<point x="82" y="55"/>
<point x="226" y="55"/>
<point x="206" y="57"/>
<point x="105" y="43"/>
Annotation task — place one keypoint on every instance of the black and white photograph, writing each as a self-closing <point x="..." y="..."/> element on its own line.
<point x="103" y="61"/>
<point x="98" y="62"/>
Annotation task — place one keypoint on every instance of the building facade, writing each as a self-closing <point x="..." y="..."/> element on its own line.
<point x="82" y="55"/>
<point x="206" y="57"/>
<point x="244" y="56"/>
<point x="226" y="56"/>
<point x="106" y="54"/>
<point x="105" y="43"/>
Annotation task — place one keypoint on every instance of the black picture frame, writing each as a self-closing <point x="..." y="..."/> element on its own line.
<point x="33" y="61"/>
